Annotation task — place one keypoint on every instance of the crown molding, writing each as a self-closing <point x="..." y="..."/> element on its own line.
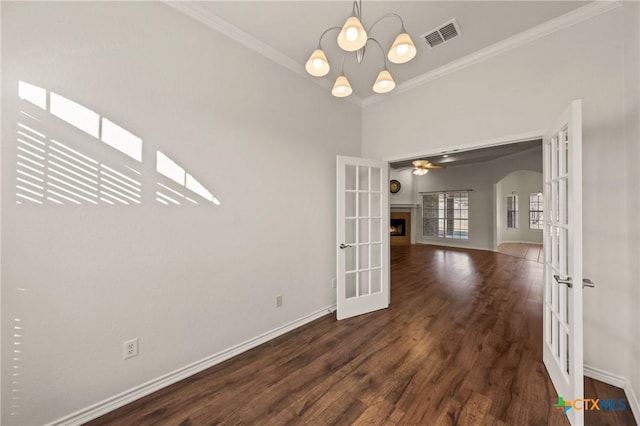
<point x="194" y="10"/>
<point x="567" y="20"/>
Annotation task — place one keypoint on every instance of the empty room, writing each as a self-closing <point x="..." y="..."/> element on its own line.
<point x="320" y="212"/>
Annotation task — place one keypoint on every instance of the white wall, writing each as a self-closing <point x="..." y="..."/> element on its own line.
<point x="187" y="281"/>
<point x="523" y="90"/>
<point x="521" y="183"/>
<point x="480" y="178"/>
<point x="632" y="136"/>
<point x="406" y="195"/>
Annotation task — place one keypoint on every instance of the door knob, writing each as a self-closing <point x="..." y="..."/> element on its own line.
<point x="568" y="281"/>
<point x="586" y="282"/>
<point x="343" y="246"/>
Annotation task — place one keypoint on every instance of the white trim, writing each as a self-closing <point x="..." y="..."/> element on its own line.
<point x="557" y="24"/>
<point x="194" y="10"/>
<point x="604" y="376"/>
<point x="199" y="13"/>
<point x="632" y="399"/>
<point x="617" y="381"/>
<point x="535" y="243"/>
<point x="452" y="245"/>
<point x="403" y="205"/>
<point x="504" y="140"/>
<point x="96" y="410"/>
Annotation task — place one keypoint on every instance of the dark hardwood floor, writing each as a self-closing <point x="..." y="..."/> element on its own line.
<point x="529" y="251"/>
<point x="460" y="344"/>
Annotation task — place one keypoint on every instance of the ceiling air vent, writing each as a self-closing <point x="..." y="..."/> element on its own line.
<point x="443" y="33"/>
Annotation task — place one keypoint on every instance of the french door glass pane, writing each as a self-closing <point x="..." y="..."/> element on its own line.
<point x="350" y="284"/>
<point x="350" y="231"/>
<point x="363" y="230"/>
<point x="547" y="313"/>
<point x="363" y="281"/>
<point x="363" y="178"/>
<point x="565" y="195"/>
<point x="376" y="185"/>
<point x="350" y="259"/>
<point x="350" y="204"/>
<point x="375" y="230"/>
<point x="363" y="257"/>
<point x="363" y="204"/>
<point x="554" y="157"/>
<point x="375" y="205"/>
<point x="350" y="177"/>
<point x="566" y="153"/>
<point x="376" y="280"/>
<point x="376" y="255"/>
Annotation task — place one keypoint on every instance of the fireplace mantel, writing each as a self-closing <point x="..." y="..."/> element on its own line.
<point x="402" y="206"/>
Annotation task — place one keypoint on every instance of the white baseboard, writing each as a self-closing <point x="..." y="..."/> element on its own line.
<point x="133" y="394"/>
<point x="520" y="242"/>
<point x="619" y="382"/>
<point x="604" y="376"/>
<point x="452" y="245"/>
<point x="633" y="401"/>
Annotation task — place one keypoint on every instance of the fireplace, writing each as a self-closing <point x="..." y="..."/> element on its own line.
<point x="397" y="227"/>
<point x="400" y="228"/>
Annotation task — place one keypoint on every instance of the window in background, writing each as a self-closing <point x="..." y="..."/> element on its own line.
<point x="536" y="211"/>
<point x="512" y="211"/>
<point x="446" y="215"/>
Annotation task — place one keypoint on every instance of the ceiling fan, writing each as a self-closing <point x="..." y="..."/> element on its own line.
<point x="422" y="167"/>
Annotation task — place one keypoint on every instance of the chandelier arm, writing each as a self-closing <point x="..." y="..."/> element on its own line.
<point x="344" y="56"/>
<point x="388" y="15"/>
<point x="324" y="33"/>
<point x="384" y="56"/>
<point x="357" y="9"/>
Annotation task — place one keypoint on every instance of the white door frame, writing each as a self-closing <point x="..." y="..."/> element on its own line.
<point x="486" y="143"/>
<point x="505" y="140"/>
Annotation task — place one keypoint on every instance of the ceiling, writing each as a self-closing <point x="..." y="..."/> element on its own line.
<point x="481" y="155"/>
<point x="294" y="27"/>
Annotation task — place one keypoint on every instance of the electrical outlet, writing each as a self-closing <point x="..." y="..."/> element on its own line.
<point x="130" y="348"/>
<point x="333" y="283"/>
<point x="278" y="301"/>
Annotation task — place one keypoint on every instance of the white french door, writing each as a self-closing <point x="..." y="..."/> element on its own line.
<point x="563" y="279"/>
<point x="362" y="236"/>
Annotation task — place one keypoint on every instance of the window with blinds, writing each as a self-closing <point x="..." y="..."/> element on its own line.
<point x="512" y="211"/>
<point x="536" y="211"/>
<point x="446" y="215"/>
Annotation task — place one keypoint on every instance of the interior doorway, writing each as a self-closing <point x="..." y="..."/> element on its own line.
<point x="519" y="214"/>
<point x="456" y="196"/>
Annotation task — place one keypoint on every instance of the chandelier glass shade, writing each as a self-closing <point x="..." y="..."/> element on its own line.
<point x="384" y="83"/>
<point x="403" y="50"/>
<point x="353" y="37"/>
<point x="341" y="88"/>
<point x="317" y="65"/>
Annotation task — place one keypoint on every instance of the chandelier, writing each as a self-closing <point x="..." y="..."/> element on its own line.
<point x="353" y="38"/>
